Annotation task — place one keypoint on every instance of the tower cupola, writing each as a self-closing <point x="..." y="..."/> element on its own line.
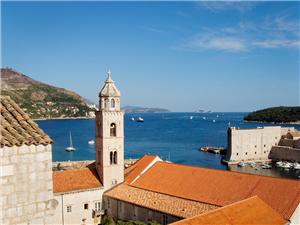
<point x="109" y="95"/>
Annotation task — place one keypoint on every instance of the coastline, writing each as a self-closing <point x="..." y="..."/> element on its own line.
<point x="64" y="118"/>
<point x="257" y="121"/>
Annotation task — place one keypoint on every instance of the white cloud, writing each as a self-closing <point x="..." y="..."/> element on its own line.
<point x="225" y="43"/>
<point x="277" y="44"/>
<point x="219" y="6"/>
<point x="269" y="33"/>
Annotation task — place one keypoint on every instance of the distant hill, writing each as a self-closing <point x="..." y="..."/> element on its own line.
<point x="137" y="109"/>
<point x="41" y="100"/>
<point x="282" y="114"/>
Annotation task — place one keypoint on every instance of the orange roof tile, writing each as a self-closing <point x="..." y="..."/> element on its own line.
<point x="164" y="203"/>
<point x="251" y="211"/>
<point x="220" y="187"/>
<point x="139" y="166"/>
<point x="17" y="128"/>
<point x="73" y="180"/>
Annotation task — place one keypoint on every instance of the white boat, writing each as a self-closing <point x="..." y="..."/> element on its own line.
<point x="279" y="164"/>
<point x="91" y="142"/>
<point x="191" y="117"/>
<point x="70" y="148"/>
<point x="296" y="166"/>
<point x="132" y="118"/>
<point x="266" y="166"/>
<point x="241" y="164"/>
<point x="214" y="121"/>
<point x="286" y="165"/>
<point x="140" y="119"/>
<point x="204" y="117"/>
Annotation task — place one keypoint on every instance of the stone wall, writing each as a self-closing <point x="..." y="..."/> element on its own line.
<point x="26" y="184"/>
<point x="77" y="214"/>
<point x="120" y="210"/>
<point x="283" y="153"/>
<point x="251" y="144"/>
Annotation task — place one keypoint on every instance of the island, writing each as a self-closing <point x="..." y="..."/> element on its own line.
<point x="281" y="114"/>
<point x="138" y="109"/>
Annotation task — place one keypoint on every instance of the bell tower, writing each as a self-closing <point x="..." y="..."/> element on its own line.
<point x="110" y="135"/>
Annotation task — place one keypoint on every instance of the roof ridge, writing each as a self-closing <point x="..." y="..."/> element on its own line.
<point x="229" y="171"/>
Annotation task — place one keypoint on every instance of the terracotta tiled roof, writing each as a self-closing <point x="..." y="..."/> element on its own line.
<point x="251" y="211"/>
<point x="132" y="172"/>
<point x="17" y="128"/>
<point x="169" y="204"/>
<point x="74" y="180"/>
<point x="220" y="187"/>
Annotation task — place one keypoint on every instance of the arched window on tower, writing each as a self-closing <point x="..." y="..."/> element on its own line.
<point x="113" y="103"/>
<point x="106" y="103"/>
<point x="113" y="130"/>
<point x="115" y="157"/>
<point x="111" y="157"/>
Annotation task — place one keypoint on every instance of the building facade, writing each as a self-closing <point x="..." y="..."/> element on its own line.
<point x="253" y="144"/>
<point x="79" y="192"/>
<point x="26" y="168"/>
<point x="110" y="135"/>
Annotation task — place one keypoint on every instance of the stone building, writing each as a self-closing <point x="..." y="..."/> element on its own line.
<point x="26" y="168"/>
<point x="168" y="192"/>
<point x="253" y="144"/>
<point x="79" y="192"/>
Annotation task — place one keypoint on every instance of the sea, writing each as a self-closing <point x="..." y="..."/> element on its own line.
<point x="175" y="137"/>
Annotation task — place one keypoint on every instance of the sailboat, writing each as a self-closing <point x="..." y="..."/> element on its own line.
<point x="70" y="148"/>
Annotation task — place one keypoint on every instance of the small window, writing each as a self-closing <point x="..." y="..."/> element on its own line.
<point x="69" y="208"/>
<point x="264" y="145"/>
<point x="97" y="206"/>
<point x="114" y="181"/>
<point x="113" y="130"/>
<point x="237" y="153"/>
<point x="113" y="103"/>
<point x="255" y="153"/>
<point x="246" y="153"/>
<point x="115" y="158"/>
<point x="255" y="146"/>
<point x="86" y="206"/>
<point x="106" y="103"/>
<point x="111" y="155"/>
<point x="165" y="219"/>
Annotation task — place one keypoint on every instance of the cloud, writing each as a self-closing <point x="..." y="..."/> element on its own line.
<point x="277" y="44"/>
<point x="269" y="33"/>
<point x="220" y="6"/>
<point x="154" y="30"/>
<point x="225" y="43"/>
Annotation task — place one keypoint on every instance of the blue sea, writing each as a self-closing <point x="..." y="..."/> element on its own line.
<point x="173" y="136"/>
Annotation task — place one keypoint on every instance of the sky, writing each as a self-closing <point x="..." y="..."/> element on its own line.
<point x="183" y="56"/>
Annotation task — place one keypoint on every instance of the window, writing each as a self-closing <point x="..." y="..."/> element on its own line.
<point x="165" y="219"/>
<point x="86" y="206"/>
<point x="237" y="153"/>
<point x="106" y="103"/>
<point x="69" y="208"/>
<point x="264" y="145"/>
<point x="255" y="153"/>
<point x="115" y="158"/>
<point x="113" y="130"/>
<point x="111" y="157"/>
<point x="97" y="206"/>
<point x="246" y="153"/>
<point x="255" y="146"/>
<point x="134" y="211"/>
<point x="114" y="181"/>
<point x="113" y="103"/>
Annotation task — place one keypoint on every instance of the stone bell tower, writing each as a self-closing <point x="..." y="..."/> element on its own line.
<point x="110" y="135"/>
